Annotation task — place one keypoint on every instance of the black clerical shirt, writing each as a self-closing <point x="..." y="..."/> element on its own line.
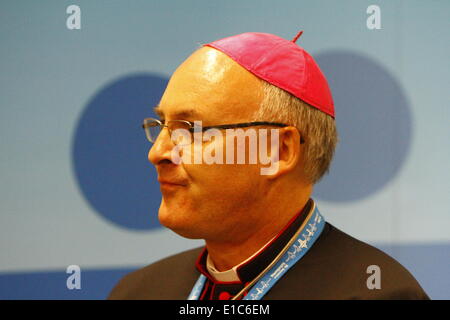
<point x="335" y="267"/>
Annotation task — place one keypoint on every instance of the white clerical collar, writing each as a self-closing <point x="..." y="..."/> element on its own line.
<point x="230" y="275"/>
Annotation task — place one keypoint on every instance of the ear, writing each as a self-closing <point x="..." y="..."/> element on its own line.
<point x="290" y="151"/>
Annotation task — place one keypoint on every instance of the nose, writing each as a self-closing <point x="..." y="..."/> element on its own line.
<point x="161" y="148"/>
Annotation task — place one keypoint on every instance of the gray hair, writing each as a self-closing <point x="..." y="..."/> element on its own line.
<point x="316" y="127"/>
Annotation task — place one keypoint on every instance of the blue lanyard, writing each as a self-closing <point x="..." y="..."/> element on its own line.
<point x="311" y="231"/>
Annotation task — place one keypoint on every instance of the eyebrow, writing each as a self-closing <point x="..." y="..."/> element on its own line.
<point x="181" y="114"/>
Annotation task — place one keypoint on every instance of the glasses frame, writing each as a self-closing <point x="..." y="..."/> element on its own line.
<point x="164" y="124"/>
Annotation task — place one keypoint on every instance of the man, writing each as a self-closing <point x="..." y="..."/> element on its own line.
<point x="264" y="235"/>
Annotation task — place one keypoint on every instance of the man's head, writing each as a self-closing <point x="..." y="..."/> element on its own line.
<point x="220" y="201"/>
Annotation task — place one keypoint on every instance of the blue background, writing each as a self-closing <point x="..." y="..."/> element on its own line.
<point x="76" y="186"/>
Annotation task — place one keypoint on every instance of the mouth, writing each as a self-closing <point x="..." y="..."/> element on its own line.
<point x="170" y="185"/>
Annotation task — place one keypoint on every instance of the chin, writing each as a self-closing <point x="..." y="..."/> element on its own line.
<point x="178" y="223"/>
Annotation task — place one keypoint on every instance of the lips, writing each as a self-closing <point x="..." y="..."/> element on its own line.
<point x="173" y="182"/>
<point x="170" y="185"/>
<point x="169" y="179"/>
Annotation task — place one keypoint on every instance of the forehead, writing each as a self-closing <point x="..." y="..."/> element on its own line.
<point x="211" y="86"/>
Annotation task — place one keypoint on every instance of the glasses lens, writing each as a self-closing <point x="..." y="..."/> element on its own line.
<point x="152" y="129"/>
<point x="180" y="132"/>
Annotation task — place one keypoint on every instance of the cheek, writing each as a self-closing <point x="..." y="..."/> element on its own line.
<point x="222" y="182"/>
<point x="228" y="152"/>
<point x="213" y="179"/>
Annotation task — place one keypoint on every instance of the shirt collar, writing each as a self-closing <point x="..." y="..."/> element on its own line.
<point x="230" y="275"/>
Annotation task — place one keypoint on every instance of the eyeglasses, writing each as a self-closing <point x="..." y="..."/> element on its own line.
<point x="153" y="128"/>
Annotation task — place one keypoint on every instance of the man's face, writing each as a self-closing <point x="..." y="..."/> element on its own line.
<point x="201" y="200"/>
